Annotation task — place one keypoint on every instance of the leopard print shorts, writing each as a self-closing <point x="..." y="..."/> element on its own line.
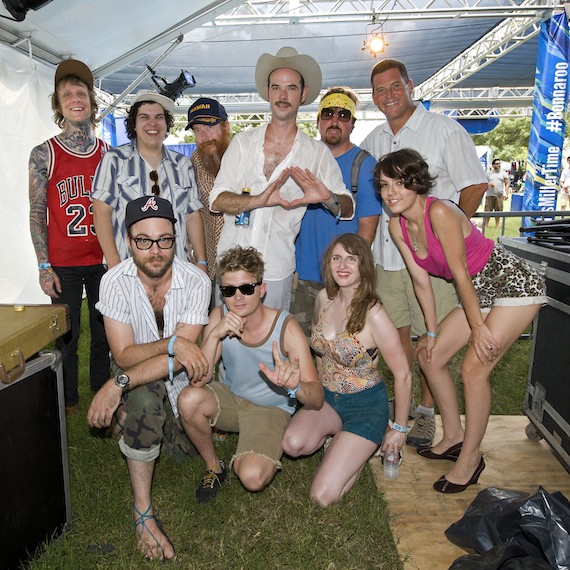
<point x="507" y="280"/>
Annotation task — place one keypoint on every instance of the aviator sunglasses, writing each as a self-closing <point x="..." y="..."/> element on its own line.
<point x="155" y="187"/>
<point x="245" y="289"/>
<point x="343" y="115"/>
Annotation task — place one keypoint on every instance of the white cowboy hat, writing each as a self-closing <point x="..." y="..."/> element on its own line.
<point x="147" y="96"/>
<point x="287" y="57"/>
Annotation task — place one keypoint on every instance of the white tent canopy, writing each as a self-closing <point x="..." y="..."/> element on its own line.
<point x="495" y="39"/>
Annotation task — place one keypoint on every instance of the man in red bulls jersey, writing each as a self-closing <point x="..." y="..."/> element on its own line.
<point x="61" y="220"/>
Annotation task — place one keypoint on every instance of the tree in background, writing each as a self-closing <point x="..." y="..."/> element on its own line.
<point x="509" y="139"/>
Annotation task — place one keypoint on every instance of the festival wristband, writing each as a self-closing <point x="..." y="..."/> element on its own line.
<point x="202" y="262"/>
<point x="171" y="358"/>
<point x="44" y="265"/>
<point x="432" y="334"/>
<point x="398" y="427"/>
<point x="292" y="393"/>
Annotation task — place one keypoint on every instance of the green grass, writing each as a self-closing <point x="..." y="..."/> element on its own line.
<point x="277" y="528"/>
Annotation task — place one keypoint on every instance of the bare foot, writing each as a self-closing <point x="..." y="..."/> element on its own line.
<point x="152" y="542"/>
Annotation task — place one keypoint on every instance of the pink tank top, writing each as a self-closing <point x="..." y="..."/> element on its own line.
<point x="478" y="249"/>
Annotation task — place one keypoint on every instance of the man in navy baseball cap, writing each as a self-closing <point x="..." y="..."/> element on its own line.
<point x="206" y="111"/>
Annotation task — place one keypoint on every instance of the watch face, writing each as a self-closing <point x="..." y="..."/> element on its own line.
<point x="122" y="380"/>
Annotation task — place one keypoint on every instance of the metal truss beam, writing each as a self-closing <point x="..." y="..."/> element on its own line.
<point x="471" y="103"/>
<point x="499" y="41"/>
<point x="319" y="11"/>
<point x="496" y="97"/>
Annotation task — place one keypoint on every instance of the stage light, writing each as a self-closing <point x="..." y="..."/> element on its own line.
<point x="19" y="8"/>
<point x="376" y="44"/>
<point x="177" y="87"/>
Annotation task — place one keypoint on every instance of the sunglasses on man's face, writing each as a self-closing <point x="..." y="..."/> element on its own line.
<point x="155" y="187"/>
<point x="343" y="115"/>
<point x="245" y="289"/>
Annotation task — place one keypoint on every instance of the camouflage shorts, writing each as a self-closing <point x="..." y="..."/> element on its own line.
<point x="150" y="422"/>
<point x="303" y="302"/>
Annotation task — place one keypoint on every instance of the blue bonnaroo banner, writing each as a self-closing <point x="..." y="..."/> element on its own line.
<point x="548" y="124"/>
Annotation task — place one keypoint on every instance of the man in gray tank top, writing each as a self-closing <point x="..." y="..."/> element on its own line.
<point x="267" y="369"/>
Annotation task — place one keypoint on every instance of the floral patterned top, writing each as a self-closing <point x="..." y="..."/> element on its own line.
<point x="347" y="367"/>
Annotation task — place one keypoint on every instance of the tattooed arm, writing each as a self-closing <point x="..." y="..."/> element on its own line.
<point x="38" y="184"/>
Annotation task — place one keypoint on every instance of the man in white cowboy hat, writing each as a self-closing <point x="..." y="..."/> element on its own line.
<point x="143" y="167"/>
<point x="284" y="170"/>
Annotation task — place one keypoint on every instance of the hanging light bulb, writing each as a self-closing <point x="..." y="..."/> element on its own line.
<point x="376" y="44"/>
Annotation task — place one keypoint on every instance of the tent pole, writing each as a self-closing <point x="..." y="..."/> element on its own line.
<point x="139" y="79"/>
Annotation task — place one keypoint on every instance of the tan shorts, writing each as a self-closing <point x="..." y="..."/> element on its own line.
<point x="396" y="292"/>
<point x="303" y="303"/>
<point x="260" y="427"/>
<point x="494" y="204"/>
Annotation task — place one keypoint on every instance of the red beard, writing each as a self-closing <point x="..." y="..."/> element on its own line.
<point x="211" y="153"/>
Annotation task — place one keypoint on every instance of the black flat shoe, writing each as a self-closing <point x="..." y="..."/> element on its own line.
<point x="450" y="454"/>
<point x="444" y="486"/>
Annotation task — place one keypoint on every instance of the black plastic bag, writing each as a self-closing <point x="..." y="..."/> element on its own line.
<point x="538" y="522"/>
<point x="506" y="556"/>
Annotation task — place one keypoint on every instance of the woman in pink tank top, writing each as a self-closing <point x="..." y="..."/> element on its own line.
<point x="500" y="296"/>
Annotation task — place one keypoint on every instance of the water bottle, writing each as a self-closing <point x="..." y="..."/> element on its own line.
<point x="242" y="219"/>
<point x="391" y="467"/>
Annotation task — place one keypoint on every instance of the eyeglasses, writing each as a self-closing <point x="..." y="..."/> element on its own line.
<point x="343" y="115"/>
<point x="245" y="289"/>
<point x="155" y="187"/>
<point x="147" y="243"/>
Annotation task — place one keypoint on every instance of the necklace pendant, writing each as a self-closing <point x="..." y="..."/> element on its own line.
<point x="415" y="246"/>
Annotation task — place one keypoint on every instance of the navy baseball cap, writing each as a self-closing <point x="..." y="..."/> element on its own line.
<point x="148" y="207"/>
<point x="206" y="111"/>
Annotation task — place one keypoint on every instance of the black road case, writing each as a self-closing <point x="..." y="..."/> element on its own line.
<point x="34" y="472"/>
<point x="547" y="395"/>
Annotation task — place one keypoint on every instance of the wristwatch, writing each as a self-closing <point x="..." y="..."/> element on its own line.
<point x="122" y="381"/>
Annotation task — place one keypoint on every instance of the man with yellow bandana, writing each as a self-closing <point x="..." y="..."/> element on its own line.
<point x="336" y="117"/>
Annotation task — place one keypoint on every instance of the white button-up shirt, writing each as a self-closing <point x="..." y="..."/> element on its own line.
<point x="272" y="230"/>
<point x="123" y="298"/>
<point x="124" y="175"/>
<point x="450" y="154"/>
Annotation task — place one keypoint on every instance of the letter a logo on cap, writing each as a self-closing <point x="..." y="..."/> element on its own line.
<point x="150" y="205"/>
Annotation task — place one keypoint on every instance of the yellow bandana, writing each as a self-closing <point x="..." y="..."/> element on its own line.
<point x="339" y="100"/>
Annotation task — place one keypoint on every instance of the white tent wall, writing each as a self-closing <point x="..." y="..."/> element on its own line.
<point x="26" y="119"/>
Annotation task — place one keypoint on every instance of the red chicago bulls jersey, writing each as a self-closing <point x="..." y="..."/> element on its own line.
<point x="71" y="234"/>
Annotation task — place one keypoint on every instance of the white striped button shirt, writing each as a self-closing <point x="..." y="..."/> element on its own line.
<point x="122" y="297"/>
<point x="124" y="175"/>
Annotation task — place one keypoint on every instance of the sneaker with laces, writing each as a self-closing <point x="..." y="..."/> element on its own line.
<point x="423" y="431"/>
<point x="210" y="484"/>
